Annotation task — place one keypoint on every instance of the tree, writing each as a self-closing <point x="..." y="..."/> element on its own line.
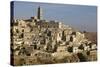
<point x="81" y="47"/>
<point x="70" y="49"/>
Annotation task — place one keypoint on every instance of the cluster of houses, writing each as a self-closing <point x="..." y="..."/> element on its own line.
<point x="52" y="39"/>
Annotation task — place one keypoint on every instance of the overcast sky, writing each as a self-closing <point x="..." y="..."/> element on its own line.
<point x="77" y="16"/>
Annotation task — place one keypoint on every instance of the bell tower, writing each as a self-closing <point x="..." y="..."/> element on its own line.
<point x="39" y="13"/>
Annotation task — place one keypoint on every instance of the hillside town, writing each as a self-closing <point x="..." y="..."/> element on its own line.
<point x="40" y="41"/>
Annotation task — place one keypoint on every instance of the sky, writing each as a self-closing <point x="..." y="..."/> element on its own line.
<point x="81" y="17"/>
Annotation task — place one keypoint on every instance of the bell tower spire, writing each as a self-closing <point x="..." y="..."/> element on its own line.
<point x="39" y="13"/>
